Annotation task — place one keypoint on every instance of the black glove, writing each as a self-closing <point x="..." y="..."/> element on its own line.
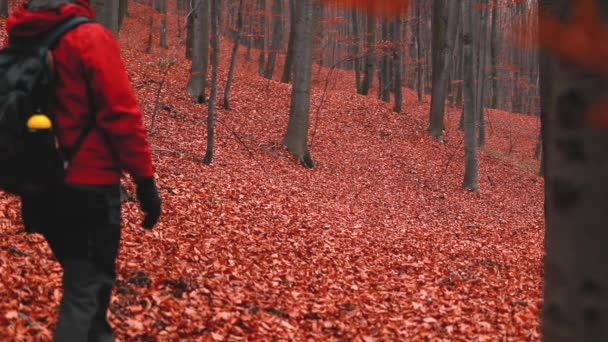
<point x="147" y="195"/>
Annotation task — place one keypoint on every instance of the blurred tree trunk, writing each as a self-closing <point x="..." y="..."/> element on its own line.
<point x="481" y="73"/>
<point x="576" y="164"/>
<point x="419" y="71"/>
<point x="4" y="8"/>
<point x="398" y="63"/>
<point x="470" y="175"/>
<point x="107" y="13"/>
<point x="262" y="37"/>
<point x="235" y="48"/>
<point x="370" y="58"/>
<point x="277" y="37"/>
<point x="494" y="54"/>
<point x="355" y="48"/>
<point x="197" y="83"/>
<point x="288" y="67"/>
<point x="444" y="47"/>
<point x="162" y="8"/>
<point x="215" y="59"/>
<point x="296" y="138"/>
<point x="385" y="75"/>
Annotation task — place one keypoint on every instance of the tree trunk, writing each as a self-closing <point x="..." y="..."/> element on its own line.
<point x="288" y="67"/>
<point x="443" y="58"/>
<point x="481" y="74"/>
<point x="190" y="32"/>
<point x="107" y="13"/>
<point x="370" y="58"/>
<point x="494" y="54"/>
<point x="200" y="54"/>
<point x="398" y="64"/>
<point x="277" y="37"/>
<point x="262" y="37"/>
<point x="215" y="59"/>
<point x="163" y="24"/>
<point x="384" y="72"/>
<point x="576" y="164"/>
<point x="419" y="71"/>
<point x="355" y="48"/>
<point x="3" y="8"/>
<point x="235" y="48"/>
<point x="150" y="29"/>
<point x="470" y="174"/>
<point x="297" y="130"/>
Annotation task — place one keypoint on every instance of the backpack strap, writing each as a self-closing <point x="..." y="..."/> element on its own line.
<point x="48" y="42"/>
<point x="56" y="33"/>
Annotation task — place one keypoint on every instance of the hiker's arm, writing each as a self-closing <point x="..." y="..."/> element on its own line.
<point x="118" y="113"/>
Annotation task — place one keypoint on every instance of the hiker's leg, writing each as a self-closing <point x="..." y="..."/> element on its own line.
<point x="104" y="242"/>
<point x="87" y="247"/>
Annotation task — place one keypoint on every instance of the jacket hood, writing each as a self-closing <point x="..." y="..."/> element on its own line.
<point x="24" y="22"/>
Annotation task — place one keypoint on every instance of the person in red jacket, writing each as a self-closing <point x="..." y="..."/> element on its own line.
<point x="82" y="222"/>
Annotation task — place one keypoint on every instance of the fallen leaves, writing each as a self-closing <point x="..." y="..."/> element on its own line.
<point x="377" y="243"/>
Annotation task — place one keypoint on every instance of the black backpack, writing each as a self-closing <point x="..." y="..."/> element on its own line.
<point x="31" y="161"/>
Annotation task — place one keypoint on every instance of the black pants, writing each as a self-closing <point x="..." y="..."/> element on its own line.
<point x="82" y="227"/>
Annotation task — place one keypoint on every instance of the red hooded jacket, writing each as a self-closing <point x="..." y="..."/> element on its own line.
<point x="92" y="80"/>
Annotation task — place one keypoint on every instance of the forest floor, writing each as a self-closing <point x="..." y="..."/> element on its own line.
<point x="379" y="241"/>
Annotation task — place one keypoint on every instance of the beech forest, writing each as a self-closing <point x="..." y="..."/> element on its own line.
<point x="352" y="170"/>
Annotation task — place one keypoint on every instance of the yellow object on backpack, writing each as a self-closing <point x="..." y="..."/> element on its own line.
<point x="39" y="121"/>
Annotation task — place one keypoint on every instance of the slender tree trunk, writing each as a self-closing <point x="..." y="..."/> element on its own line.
<point x="107" y="13"/>
<point x="481" y="74"/>
<point x="3" y="8"/>
<point x="370" y="59"/>
<point x="235" y="48"/>
<point x="470" y="175"/>
<point x="123" y="7"/>
<point x="288" y="67"/>
<point x="384" y="72"/>
<point x="355" y="48"/>
<point x="262" y="37"/>
<point x="197" y="83"/>
<point x="215" y="59"/>
<point x="296" y="138"/>
<point x="277" y="37"/>
<point x="398" y="63"/>
<point x="190" y="30"/>
<point x="494" y="53"/>
<point x="163" y="25"/>
<point x="150" y="28"/>
<point x="445" y="47"/>
<point x="419" y="64"/>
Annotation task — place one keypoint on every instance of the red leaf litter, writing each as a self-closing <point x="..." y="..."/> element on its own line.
<point x="379" y="242"/>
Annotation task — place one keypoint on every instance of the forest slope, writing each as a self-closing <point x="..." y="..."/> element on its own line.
<point x="379" y="241"/>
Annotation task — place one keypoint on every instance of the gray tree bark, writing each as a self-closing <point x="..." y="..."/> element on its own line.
<point x="288" y="67"/>
<point x="481" y="74"/>
<point x="277" y="37"/>
<point x="355" y="48"/>
<point x="296" y="138"/>
<point x="419" y="64"/>
<point x="442" y="63"/>
<point x="494" y="54"/>
<point x="262" y="37"/>
<point x="398" y="63"/>
<point x="384" y="72"/>
<point x="4" y="8"/>
<point x="197" y="83"/>
<point x="215" y="60"/>
<point x="470" y="147"/>
<point x="107" y="13"/>
<point x="576" y="164"/>
<point x="370" y="59"/>
<point x="235" y="48"/>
